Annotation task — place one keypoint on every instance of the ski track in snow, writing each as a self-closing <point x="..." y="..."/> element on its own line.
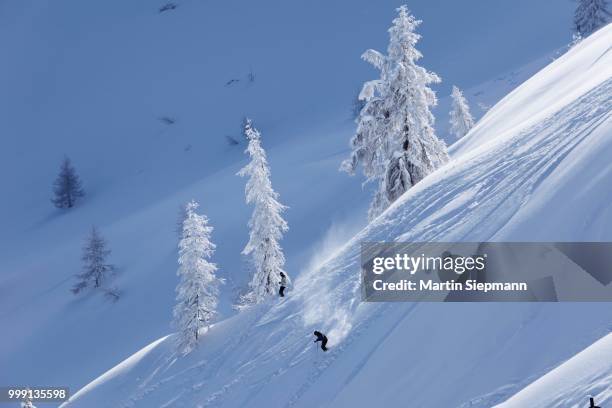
<point x="184" y="388"/>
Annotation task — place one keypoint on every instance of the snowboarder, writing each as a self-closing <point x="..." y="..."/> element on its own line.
<point x="283" y="284"/>
<point x="321" y="338"/>
<point x="592" y="403"/>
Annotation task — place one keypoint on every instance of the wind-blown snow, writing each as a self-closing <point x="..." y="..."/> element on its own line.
<point x="536" y="167"/>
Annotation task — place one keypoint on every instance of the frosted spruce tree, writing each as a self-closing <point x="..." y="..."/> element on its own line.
<point x="461" y="119"/>
<point x="67" y="187"/>
<point x="395" y="143"/>
<point x="266" y="224"/>
<point x="590" y="15"/>
<point x="97" y="273"/>
<point x="27" y="403"/>
<point x="198" y="288"/>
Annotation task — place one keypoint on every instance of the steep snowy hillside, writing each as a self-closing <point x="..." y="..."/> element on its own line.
<point x="536" y="167"/>
<point x="142" y="102"/>
<point x="588" y="374"/>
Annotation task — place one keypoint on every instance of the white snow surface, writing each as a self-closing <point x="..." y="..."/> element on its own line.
<point x="587" y="374"/>
<point x="536" y="167"/>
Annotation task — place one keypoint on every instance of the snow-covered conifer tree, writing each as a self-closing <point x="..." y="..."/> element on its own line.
<point x="67" y="187"/>
<point x="395" y="143"/>
<point x="266" y="225"/>
<point x="461" y="119"/>
<point x="96" y="273"/>
<point x="198" y="289"/>
<point x="27" y="403"/>
<point x="590" y="15"/>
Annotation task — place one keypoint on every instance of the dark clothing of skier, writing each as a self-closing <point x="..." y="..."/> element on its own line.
<point x="592" y="401"/>
<point x="321" y="338"/>
<point x="283" y="284"/>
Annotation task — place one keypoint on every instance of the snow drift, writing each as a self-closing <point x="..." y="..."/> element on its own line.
<point x="536" y="167"/>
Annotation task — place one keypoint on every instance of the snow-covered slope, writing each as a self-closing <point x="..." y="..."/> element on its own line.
<point x="536" y="167"/>
<point x="96" y="81"/>
<point x="588" y="374"/>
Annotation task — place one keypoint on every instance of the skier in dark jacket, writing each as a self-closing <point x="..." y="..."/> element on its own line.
<point x="283" y="284"/>
<point x="592" y="402"/>
<point x="322" y="338"/>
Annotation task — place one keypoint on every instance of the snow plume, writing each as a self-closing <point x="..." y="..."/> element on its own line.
<point x="334" y="239"/>
<point x="324" y="307"/>
<point x="324" y="310"/>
